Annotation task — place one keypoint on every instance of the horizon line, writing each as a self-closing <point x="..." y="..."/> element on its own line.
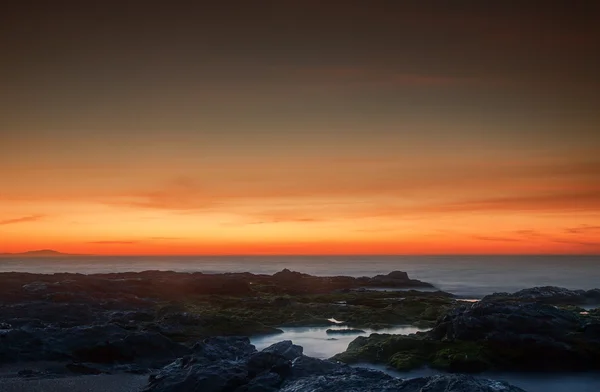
<point x="59" y="254"/>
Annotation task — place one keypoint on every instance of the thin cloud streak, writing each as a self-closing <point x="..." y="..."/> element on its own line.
<point x="496" y="239"/>
<point x="583" y="229"/>
<point x="113" y="242"/>
<point x="24" y="219"/>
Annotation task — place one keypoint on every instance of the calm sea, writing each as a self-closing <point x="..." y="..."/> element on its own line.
<point x="467" y="276"/>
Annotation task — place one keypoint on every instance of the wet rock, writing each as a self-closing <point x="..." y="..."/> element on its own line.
<point x="489" y="335"/>
<point x="307" y="366"/>
<point x="548" y="294"/>
<point x="81" y="368"/>
<point x="286" y="349"/>
<point x="349" y="331"/>
<point x="266" y="362"/>
<point x="223" y="347"/>
<point x="457" y="383"/>
<point x="95" y="344"/>
<point x="267" y="382"/>
<point x="242" y="370"/>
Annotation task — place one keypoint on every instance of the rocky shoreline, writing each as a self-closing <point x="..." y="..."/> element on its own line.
<point x="169" y="325"/>
<point x="523" y="331"/>
<point x="232" y="364"/>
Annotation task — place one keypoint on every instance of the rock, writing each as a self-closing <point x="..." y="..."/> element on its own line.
<point x="95" y="344"/>
<point x="282" y="302"/>
<point x="489" y="320"/>
<point x="549" y="295"/>
<point x="262" y="362"/>
<point x="456" y="383"/>
<point x="267" y="382"/>
<point x="30" y="373"/>
<point x="217" y="364"/>
<point x="489" y="335"/>
<point x="287" y="275"/>
<point x="35" y="287"/>
<point x="286" y="349"/>
<point x="352" y="380"/>
<point x="239" y="371"/>
<point x="394" y="275"/>
<point x="81" y="368"/>
<point x="223" y="348"/>
<point x="304" y="366"/>
<point x="181" y="376"/>
<point x="367" y="380"/>
<point x="349" y="331"/>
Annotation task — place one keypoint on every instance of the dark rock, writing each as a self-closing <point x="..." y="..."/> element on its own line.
<point x="485" y="320"/>
<point x="267" y="382"/>
<point x="307" y="366"/>
<point x="219" y="348"/>
<point x="262" y="362"/>
<point x="349" y="331"/>
<point x="97" y="344"/>
<point x="239" y="371"/>
<point x="217" y="364"/>
<point x="394" y="275"/>
<point x="29" y="373"/>
<point x="81" y="368"/>
<point x="286" y="349"/>
<point x="549" y="295"/>
<point x="456" y="383"/>
<point x="490" y="335"/>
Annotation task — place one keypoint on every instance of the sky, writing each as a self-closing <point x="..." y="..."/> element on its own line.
<point x="300" y="127"/>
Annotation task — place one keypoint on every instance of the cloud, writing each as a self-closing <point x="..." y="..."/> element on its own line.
<point x="289" y="219"/>
<point x="165" y="238"/>
<point x="532" y="235"/>
<point x="23" y="219"/>
<point x="583" y="229"/>
<point x="567" y="201"/>
<point x="528" y="233"/>
<point x="552" y="187"/>
<point x="113" y="242"/>
<point x="491" y="238"/>
<point x="576" y="242"/>
<point x="183" y="194"/>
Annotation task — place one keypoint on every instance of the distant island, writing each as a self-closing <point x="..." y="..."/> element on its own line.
<point x="39" y="253"/>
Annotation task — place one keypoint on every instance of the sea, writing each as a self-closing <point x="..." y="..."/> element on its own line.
<point x="469" y="277"/>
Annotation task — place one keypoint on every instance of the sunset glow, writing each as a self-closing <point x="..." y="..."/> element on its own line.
<point x="197" y="147"/>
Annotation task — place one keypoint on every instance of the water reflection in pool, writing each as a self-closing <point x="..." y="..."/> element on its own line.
<point x="317" y="343"/>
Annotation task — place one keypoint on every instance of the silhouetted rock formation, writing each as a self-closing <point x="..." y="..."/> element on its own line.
<point x="232" y="364"/>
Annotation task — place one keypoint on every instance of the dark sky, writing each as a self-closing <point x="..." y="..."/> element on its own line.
<point x="101" y="99"/>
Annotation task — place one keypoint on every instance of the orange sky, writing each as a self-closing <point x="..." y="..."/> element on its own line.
<point x="229" y="204"/>
<point x="397" y="129"/>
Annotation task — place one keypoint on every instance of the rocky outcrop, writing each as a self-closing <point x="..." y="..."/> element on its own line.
<point x="137" y="287"/>
<point x="103" y="344"/>
<point x="232" y="365"/>
<point x="291" y="282"/>
<point x="548" y="294"/>
<point x="491" y="335"/>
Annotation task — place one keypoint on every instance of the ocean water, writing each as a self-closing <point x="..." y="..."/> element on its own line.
<point x="317" y="343"/>
<point x="467" y="276"/>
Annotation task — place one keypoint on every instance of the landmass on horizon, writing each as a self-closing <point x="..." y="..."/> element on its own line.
<point x="41" y="253"/>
